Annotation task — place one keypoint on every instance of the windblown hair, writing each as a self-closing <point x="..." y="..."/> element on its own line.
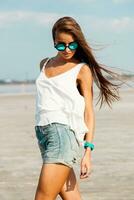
<point x="108" y="90"/>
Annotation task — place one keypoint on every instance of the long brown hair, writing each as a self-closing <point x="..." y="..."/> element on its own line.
<point x="108" y="90"/>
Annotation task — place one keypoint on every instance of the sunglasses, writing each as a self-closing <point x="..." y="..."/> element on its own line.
<point x="61" y="46"/>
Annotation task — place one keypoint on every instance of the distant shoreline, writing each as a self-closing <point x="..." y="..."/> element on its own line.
<point x="17" y="88"/>
<point x="123" y="77"/>
<point x="17" y="82"/>
<point x="29" y="87"/>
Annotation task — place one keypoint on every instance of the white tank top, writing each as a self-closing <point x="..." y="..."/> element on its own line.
<point x="58" y="100"/>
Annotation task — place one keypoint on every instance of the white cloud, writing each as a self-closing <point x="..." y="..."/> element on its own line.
<point x="110" y="24"/>
<point x="123" y="23"/>
<point x="9" y="18"/>
<point x="121" y="1"/>
<point x="45" y="19"/>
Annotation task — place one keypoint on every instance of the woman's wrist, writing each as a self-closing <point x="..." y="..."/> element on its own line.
<point x="88" y="151"/>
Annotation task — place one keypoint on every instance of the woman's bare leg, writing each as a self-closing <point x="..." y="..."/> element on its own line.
<point x="70" y="190"/>
<point x="51" y="180"/>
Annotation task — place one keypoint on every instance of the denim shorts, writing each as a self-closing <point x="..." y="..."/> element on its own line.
<point x="57" y="144"/>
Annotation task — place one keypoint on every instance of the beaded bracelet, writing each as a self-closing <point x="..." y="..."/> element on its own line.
<point x="89" y="144"/>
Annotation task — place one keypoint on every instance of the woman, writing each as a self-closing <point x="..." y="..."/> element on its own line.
<point x="64" y="110"/>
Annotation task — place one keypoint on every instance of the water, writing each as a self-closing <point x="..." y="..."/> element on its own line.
<point x="11" y="89"/>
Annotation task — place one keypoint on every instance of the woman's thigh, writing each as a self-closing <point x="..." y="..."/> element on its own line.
<point x="52" y="179"/>
<point x="57" y="144"/>
<point x="70" y="189"/>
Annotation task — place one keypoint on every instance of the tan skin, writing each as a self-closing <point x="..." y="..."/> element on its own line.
<point x="66" y="184"/>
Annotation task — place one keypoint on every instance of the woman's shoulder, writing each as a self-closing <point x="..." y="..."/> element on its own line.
<point x="42" y="63"/>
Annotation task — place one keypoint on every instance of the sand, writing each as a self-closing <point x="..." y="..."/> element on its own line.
<point x="112" y="159"/>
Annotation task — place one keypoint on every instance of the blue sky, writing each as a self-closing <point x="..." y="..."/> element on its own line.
<point x="25" y="32"/>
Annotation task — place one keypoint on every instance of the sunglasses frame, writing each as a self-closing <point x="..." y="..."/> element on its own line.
<point x="66" y="45"/>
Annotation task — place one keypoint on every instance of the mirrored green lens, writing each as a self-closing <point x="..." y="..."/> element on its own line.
<point x="60" y="47"/>
<point x="73" y="45"/>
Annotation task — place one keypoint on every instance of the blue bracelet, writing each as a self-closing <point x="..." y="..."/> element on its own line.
<point x="89" y="144"/>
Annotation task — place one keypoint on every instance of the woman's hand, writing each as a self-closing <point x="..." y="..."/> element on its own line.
<point x="86" y="164"/>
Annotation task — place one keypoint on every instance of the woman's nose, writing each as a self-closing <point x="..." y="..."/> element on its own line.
<point x="67" y="49"/>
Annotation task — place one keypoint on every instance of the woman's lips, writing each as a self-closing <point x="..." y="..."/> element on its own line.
<point x="67" y="54"/>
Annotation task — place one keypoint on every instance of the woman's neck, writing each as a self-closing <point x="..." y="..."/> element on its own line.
<point x="63" y="61"/>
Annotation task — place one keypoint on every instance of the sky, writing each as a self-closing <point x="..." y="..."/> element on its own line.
<point x="26" y="38"/>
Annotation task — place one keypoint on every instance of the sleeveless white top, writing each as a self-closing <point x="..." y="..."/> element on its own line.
<point x="58" y="100"/>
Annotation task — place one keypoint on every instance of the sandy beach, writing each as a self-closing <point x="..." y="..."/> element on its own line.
<point x="112" y="177"/>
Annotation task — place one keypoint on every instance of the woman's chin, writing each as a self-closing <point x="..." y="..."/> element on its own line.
<point x="67" y="56"/>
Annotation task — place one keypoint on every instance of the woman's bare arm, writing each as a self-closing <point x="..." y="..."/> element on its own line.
<point x="86" y="87"/>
